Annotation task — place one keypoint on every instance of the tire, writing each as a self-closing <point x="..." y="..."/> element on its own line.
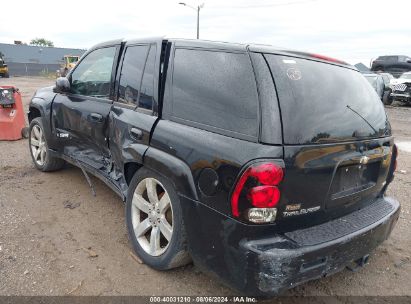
<point x="42" y="160"/>
<point x="386" y="99"/>
<point x="6" y="75"/>
<point x="169" y="253"/>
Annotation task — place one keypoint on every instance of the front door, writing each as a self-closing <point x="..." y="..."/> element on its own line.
<point x="80" y="117"/>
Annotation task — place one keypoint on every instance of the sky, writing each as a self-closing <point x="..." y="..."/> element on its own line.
<point x="350" y="30"/>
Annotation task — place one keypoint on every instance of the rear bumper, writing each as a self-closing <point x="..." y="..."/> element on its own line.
<point x="277" y="269"/>
<point x="270" y="265"/>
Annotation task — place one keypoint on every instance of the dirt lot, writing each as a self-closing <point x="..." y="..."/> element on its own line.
<point x="57" y="239"/>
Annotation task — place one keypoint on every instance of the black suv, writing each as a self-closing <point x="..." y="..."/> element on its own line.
<point x="396" y="65"/>
<point x="234" y="156"/>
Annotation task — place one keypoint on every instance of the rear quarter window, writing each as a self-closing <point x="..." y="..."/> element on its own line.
<point x="215" y="91"/>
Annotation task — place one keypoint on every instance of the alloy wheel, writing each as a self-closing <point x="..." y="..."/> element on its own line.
<point x="152" y="216"/>
<point x="38" y="145"/>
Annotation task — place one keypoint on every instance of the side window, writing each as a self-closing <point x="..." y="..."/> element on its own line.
<point x="403" y="58"/>
<point x="215" y="89"/>
<point x="131" y="73"/>
<point x="147" y="84"/>
<point x="92" y="77"/>
<point x="392" y="58"/>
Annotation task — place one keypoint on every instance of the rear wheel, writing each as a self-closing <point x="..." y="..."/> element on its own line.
<point x="154" y="221"/>
<point x="39" y="148"/>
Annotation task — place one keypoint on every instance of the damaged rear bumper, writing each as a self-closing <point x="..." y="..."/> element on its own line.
<point x="257" y="261"/>
<point x="318" y="251"/>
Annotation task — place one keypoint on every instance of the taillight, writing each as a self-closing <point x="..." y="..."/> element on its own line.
<point x="256" y="193"/>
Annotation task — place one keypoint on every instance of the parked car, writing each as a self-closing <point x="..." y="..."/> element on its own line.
<point x="209" y="167"/>
<point x="402" y="88"/>
<point x="387" y="98"/>
<point x="387" y="80"/>
<point x="377" y="82"/>
<point x="396" y="65"/>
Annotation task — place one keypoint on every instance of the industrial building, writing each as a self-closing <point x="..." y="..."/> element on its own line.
<point x="27" y="60"/>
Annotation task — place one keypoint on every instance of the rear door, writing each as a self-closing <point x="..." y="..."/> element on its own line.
<point x="393" y="65"/>
<point x="336" y="136"/>
<point x="135" y="109"/>
<point x="80" y="116"/>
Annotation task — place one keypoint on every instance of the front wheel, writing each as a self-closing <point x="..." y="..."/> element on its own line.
<point x="39" y="148"/>
<point x="386" y="98"/>
<point x="154" y="221"/>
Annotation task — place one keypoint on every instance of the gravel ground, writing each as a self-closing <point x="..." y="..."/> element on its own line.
<point x="57" y="239"/>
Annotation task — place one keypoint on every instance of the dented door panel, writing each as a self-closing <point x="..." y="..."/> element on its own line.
<point x="129" y="136"/>
<point x="77" y="129"/>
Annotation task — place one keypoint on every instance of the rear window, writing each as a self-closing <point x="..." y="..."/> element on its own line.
<point x="215" y="91"/>
<point x="403" y="58"/>
<point x="323" y="102"/>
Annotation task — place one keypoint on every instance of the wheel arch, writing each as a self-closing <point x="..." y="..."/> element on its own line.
<point x="39" y="107"/>
<point x="34" y="112"/>
<point x="130" y="169"/>
<point x="172" y="168"/>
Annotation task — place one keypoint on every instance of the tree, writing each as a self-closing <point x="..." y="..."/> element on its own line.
<point x="41" y="42"/>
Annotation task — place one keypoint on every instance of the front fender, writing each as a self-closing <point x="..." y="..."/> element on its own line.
<point x="36" y="106"/>
<point x="41" y="103"/>
<point x="41" y="106"/>
<point x="172" y="168"/>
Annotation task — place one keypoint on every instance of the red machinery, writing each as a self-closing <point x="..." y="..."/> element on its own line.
<point x="11" y="114"/>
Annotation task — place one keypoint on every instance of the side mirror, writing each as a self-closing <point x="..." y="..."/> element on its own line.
<point x="62" y="85"/>
<point x="5" y="65"/>
<point x="409" y="60"/>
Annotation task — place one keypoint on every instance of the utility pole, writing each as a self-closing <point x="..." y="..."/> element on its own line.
<point x="198" y="22"/>
<point x="198" y="15"/>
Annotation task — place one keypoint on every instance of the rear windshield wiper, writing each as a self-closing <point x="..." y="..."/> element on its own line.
<point x="368" y="123"/>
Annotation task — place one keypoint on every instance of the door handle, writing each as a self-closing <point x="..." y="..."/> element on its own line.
<point x="136" y="133"/>
<point x="96" y="117"/>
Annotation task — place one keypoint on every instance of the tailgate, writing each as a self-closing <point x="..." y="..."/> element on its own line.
<point x="333" y="179"/>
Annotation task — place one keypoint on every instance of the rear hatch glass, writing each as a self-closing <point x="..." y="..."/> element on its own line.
<point x="337" y="151"/>
<point x="325" y="103"/>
